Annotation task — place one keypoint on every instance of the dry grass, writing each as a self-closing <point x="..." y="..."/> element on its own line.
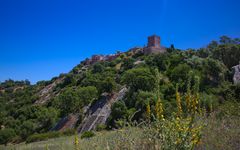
<point x="111" y="139"/>
<point x="221" y="131"/>
<point x="221" y="134"/>
<point x="218" y="134"/>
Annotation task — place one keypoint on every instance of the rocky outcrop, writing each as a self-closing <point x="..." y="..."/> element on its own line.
<point x="138" y="62"/>
<point x="236" y="77"/>
<point x="94" y="115"/>
<point x="100" y="111"/>
<point x="47" y="92"/>
<point x="68" y="122"/>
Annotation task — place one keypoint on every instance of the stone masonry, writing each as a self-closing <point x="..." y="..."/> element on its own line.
<point x="153" y="46"/>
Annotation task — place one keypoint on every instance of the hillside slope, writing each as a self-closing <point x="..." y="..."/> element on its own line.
<point x="74" y="100"/>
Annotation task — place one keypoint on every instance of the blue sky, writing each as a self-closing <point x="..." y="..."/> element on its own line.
<point x="40" y="39"/>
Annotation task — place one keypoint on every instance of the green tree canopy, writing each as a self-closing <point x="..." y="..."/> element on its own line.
<point x="73" y="100"/>
<point x="139" y="79"/>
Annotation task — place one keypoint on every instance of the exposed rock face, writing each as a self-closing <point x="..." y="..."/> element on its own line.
<point x="94" y="115"/>
<point x="47" y="92"/>
<point x="236" y="77"/>
<point x="138" y="62"/>
<point x="100" y="111"/>
<point x="68" y="122"/>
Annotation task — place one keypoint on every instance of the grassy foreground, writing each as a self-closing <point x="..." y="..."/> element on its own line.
<point x="223" y="134"/>
<point x="101" y="141"/>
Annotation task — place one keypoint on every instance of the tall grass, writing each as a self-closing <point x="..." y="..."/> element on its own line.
<point x="220" y="134"/>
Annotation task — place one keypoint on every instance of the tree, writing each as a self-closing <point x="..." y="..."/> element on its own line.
<point x="119" y="111"/>
<point x="160" y="60"/>
<point x="87" y="94"/>
<point x="27" y="128"/>
<point x="180" y="73"/>
<point x="27" y="82"/>
<point x="144" y="98"/>
<point x="172" y="48"/>
<point x="175" y="59"/>
<point x="109" y="85"/>
<point x="225" y="40"/>
<point x="228" y="54"/>
<point x="98" y="68"/>
<point x="139" y="79"/>
<point x="68" y="101"/>
<point x="212" y="45"/>
<point x="213" y="72"/>
<point x="128" y="63"/>
<point x="69" y="79"/>
<point x="73" y="100"/>
<point x="104" y="81"/>
<point x="46" y="118"/>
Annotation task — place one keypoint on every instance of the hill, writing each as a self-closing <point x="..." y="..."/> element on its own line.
<point x="104" y="91"/>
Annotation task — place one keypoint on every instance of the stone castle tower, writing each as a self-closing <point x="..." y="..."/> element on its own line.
<point x="153" y="45"/>
<point x="154" y="41"/>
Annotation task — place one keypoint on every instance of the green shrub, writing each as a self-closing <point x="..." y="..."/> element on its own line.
<point x="17" y="139"/>
<point x="49" y="135"/>
<point x="43" y="136"/>
<point x="6" y="135"/>
<point x="101" y="127"/>
<point x="87" y="134"/>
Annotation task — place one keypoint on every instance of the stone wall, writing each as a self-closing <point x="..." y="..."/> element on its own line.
<point x="154" y="50"/>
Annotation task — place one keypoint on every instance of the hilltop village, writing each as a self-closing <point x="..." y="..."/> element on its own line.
<point x="153" y="47"/>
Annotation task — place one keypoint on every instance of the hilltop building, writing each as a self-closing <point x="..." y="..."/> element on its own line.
<point x="99" y="58"/>
<point x="153" y="46"/>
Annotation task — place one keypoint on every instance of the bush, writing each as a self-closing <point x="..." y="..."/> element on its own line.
<point x="87" y="134"/>
<point x="101" y="127"/>
<point x="49" y="135"/>
<point x="139" y="79"/>
<point x="174" y="133"/>
<point x="43" y="136"/>
<point x="6" y="135"/>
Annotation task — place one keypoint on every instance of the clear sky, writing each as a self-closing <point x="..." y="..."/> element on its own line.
<point x="40" y="39"/>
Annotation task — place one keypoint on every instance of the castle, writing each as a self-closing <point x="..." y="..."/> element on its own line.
<point x="99" y="58"/>
<point x="153" y="47"/>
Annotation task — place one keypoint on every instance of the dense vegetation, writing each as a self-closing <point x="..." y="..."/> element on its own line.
<point x="155" y="77"/>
